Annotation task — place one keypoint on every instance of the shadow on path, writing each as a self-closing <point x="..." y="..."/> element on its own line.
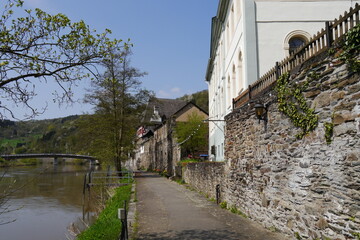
<point x="193" y="235"/>
<point x="146" y="175"/>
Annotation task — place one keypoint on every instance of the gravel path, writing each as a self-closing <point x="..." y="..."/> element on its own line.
<point x="168" y="210"/>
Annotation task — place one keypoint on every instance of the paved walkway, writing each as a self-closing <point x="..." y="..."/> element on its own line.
<point x="168" y="210"/>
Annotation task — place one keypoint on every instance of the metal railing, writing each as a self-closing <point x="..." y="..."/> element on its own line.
<point x="108" y="178"/>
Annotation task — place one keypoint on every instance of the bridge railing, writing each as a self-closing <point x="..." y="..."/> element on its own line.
<point x="46" y="155"/>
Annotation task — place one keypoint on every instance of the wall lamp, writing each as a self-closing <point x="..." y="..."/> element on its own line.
<point x="261" y="111"/>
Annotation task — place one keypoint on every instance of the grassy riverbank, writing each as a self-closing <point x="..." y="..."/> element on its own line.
<point x="19" y="162"/>
<point x="108" y="226"/>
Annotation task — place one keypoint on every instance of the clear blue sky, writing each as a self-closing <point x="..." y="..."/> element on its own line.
<point x="171" y="42"/>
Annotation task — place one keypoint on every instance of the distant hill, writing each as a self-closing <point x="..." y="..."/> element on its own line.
<point x="201" y="99"/>
<point x="37" y="136"/>
<point x="60" y="135"/>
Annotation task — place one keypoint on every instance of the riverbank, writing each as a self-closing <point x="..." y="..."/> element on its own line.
<point x="108" y="226"/>
<point x="19" y="162"/>
<point x="35" y="161"/>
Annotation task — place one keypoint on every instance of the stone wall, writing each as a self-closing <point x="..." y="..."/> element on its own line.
<point x="204" y="176"/>
<point x="158" y="152"/>
<point x="305" y="186"/>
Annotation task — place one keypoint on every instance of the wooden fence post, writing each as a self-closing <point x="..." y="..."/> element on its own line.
<point x="249" y="92"/>
<point x="277" y="70"/>
<point x="329" y="34"/>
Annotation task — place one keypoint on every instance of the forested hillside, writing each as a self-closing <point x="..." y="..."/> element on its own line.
<point x="37" y="136"/>
<point x="61" y="135"/>
<point x="201" y="99"/>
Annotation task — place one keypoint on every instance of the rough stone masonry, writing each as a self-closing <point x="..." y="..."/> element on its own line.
<point x="306" y="188"/>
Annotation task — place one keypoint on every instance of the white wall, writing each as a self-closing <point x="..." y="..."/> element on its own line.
<point x="276" y="19"/>
<point x="257" y="31"/>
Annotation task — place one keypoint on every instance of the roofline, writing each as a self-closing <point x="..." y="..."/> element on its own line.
<point x="194" y="106"/>
<point x="216" y="29"/>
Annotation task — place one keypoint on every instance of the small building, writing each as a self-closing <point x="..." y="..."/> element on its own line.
<point x="156" y="144"/>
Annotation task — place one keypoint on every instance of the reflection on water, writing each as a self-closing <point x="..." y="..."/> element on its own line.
<point x="47" y="200"/>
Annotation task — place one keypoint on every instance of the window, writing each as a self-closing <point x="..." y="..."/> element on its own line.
<point x="232" y="21"/>
<point x="295" y="42"/>
<point x="233" y="81"/>
<point x="229" y="90"/>
<point x="239" y="74"/>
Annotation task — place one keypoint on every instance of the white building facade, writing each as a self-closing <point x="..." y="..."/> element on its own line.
<point x="248" y="37"/>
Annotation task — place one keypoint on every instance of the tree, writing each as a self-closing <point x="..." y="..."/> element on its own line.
<point x="119" y="101"/>
<point x="193" y="134"/>
<point x="38" y="46"/>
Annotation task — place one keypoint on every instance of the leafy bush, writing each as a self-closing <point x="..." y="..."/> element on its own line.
<point x="223" y="205"/>
<point x="28" y="161"/>
<point x="184" y="162"/>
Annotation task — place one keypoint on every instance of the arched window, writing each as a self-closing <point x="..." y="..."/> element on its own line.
<point x="227" y="36"/>
<point x="233" y="80"/>
<point x="232" y="21"/>
<point x="294" y="40"/>
<point x="229" y="96"/>
<point x="239" y="74"/>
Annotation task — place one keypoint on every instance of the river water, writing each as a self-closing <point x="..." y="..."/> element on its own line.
<point x="46" y="203"/>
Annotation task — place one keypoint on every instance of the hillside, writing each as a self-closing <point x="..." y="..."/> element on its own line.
<point x="201" y="99"/>
<point x="60" y="135"/>
<point x="34" y="136"/>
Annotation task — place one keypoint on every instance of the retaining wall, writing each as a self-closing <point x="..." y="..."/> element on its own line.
<point x="299" y="186"/>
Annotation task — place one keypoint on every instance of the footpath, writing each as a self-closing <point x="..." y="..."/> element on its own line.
<point x="167" y="210"/>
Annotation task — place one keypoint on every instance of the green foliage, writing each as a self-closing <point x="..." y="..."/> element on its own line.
<point x="223" y="205"/>
<point x="41" y="46"/>
<point x="119" y="101"/>
<point x="180" y="181"/>
<point x="201" y="99"/>
<point x="352" y="48"/>
<point x="42" y="136"/>
<point x="329" y="129"/>
<point x="273" y="229"/>
<point x="28" y="161"/>
<point x="292" y="103"/>
<point x="357" y="235"/>
<point x="20" y="162"/>
<point x="192" y="134"/>
<point x="325" y="238"/>
<point x="164" y="173"/>
<point x="297" y="236"/>
<point x="20" y="150"/>
<point x="108" y="226"/>
<point x="183" y="162"/>
<point x="233" y="209"/>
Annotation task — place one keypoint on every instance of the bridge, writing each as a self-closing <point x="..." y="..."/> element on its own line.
<point x="56" y="156"/>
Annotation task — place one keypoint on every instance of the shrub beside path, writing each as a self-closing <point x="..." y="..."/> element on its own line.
<point x="167" y="210"/>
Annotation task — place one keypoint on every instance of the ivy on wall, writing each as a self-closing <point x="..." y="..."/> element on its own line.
<point x="351" y="48"/>
<point x="293" y="104"/>
<point x="329" y="130"/>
